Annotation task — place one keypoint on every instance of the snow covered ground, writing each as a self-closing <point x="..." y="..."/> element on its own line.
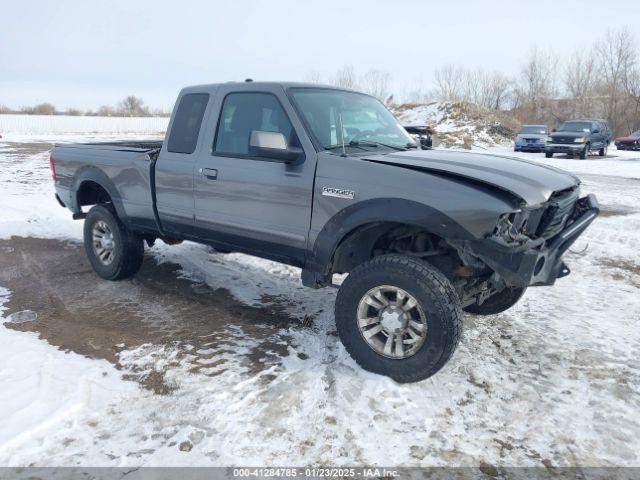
<point x="554" y="381"/>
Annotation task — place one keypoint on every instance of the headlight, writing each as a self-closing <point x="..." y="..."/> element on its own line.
<point x="580" y="140"/>
<point x="511" y="227"/>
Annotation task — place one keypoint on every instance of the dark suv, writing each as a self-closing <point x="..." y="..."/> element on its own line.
<point x="579" y="137"/>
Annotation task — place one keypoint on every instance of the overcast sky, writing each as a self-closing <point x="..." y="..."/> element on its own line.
<point x="87" y="53"/>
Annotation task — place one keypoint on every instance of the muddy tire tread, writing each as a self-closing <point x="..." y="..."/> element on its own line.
<point x="128" y="259"/>
<point x="427" y="278"/>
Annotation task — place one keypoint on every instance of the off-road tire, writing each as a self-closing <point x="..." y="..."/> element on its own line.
<point x="497" y="303"/>
<point x="584" y="152"/>
<point x="548" y="154"/>
<point x="128" y="247"/>
<point x="603" y="151"/>
<point x="433" y="292"/>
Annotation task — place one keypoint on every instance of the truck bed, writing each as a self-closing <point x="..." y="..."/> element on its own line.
<point x="122" y="168"/>
<point x="129" y="145"/>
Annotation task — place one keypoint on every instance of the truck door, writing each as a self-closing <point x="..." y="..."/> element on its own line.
<point x="174" y="171"/>
<point x="250" y="203"/>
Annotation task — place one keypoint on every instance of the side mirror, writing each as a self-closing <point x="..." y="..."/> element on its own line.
<point x="596" y="131"/>
<point x="553" y="130"/>
<point x="272" y="145"/>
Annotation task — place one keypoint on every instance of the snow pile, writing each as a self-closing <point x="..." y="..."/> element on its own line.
<point x="459" y="124"/>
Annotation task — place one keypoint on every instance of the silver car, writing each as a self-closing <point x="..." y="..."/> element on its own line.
<point x="531" y="138"/>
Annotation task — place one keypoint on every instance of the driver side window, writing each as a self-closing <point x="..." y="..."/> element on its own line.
<point x="243" y="113"/>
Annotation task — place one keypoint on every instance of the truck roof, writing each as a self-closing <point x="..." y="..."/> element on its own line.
<point x="588" y="120"/>
<point x="257" y="85"/>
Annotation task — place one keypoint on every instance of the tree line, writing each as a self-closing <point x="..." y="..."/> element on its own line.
<point x="599" y="81"/>
<point x="130" y="106"/>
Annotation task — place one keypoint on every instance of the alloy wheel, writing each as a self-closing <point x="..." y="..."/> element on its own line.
<point x="103" y="242"/>
<point x="392" y="322"/>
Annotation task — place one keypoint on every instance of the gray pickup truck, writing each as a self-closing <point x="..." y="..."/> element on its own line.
<point x="326" y="179"/>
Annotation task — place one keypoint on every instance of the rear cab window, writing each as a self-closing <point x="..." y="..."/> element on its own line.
<point x="186" y="123"/>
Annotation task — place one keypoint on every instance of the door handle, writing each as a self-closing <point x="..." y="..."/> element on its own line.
<point x="210" y="173"/>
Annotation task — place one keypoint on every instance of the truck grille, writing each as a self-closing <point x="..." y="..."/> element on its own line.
<point x="559" y="210"/>
<point x="563" y="140"/>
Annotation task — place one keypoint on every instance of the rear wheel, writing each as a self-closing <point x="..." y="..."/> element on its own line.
<point x="548" y="154"/>
<point x="497" y="303"/>
<point x="398" y="316"/>
<point x="115" y="252"/>
<point x="603" y="151"/>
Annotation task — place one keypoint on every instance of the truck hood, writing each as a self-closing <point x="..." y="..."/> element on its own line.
<point x="532" y="182"/>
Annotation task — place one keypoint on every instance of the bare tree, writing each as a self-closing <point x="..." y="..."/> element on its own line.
<point x="376" y="83"/>
<point x="472" y="86"/>
<point x="580" y="83"/>
<point x="106" y="111"/>
<point x="449" y="83"/>
<point x="617" y="59"/>
<point x="537" y="84"/>
<point x="476" y="86"/>
<point x="74" y="112"/>
<point x="133" y="106"/>
<point x="43" y="109"/>
<point x="4" y="109"/>
<point x="497" y="90"/>
<point x="345" y="77"/>
<point x="313" y="76"/>
<point x="632" y="89"/>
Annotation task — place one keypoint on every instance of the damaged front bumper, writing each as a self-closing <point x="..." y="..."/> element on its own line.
<point x="537" y="262"/>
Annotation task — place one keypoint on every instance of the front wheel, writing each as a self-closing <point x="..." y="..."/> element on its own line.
<point x="603" y="151"/>
<point x="114" y="251"/>
<point x="548" y="154"/>
<point x="398" y="316"/>
<point x="584" y="152"/>
<point x="498" y="303"/>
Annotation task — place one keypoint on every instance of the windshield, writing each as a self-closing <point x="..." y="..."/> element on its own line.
<point x="635" y="134"/>
<point x="366" y="123"/>
<point x="575" y="127"/>
<point x="533" y="130"/>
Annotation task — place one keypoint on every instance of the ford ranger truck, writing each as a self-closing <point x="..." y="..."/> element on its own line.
<point x="325" y="179"/>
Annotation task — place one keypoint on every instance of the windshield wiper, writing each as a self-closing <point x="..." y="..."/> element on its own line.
<point x="372" y="143"/>
<point x="334" y="147"/>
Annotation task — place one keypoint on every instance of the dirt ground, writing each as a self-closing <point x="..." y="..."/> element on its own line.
<point x="77" y="311"/>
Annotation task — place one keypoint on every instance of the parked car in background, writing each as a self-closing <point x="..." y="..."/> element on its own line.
<point x="424" y="134"/>
<point x="579" y="137"/>
<point x="531" y="138"/>
<point x="632" y="142"/>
